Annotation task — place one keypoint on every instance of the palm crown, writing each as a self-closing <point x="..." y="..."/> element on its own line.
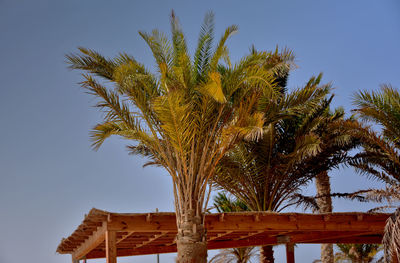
<point x="188" y="115"/>
<point x="268" y="173"/>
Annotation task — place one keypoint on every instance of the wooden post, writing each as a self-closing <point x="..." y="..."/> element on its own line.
<point x="289" y="252"/>
<point x="394" y="258"/>
<point x="111" y="246"/>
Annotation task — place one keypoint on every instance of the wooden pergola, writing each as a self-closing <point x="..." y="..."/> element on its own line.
<point x="110" y="235"/>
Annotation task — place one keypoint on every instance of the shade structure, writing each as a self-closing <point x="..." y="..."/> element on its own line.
<point x="129" y="234"/>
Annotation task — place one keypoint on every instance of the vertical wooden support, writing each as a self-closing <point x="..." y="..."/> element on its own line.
<point x="111" y="246"/>
<point x="75" y="260"/>
<point x="394" y="258"/>
<point x="289" y="252"/>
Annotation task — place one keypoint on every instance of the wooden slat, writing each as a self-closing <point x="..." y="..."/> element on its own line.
<point x="125" y="237"/>
<point x="219" y="235"/>
<point x="92" y="242"/>
<point x="250" y="234"/>
<point x="151" y="239"/>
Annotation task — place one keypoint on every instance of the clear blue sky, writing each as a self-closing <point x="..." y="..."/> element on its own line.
<point x="50" y="177"/>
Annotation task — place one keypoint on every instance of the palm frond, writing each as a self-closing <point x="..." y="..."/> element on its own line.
<point x="203" y="51"/>
<point x="93" y="62"/>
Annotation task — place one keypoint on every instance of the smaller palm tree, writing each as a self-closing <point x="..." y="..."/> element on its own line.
<point x="239" y="255"/>
<point x="357" y="253"/>
<point x="235" y="255"/>
<point x="381" y="155"/>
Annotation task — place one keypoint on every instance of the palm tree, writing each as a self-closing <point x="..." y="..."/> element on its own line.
<point x="323" y="185"/>
<point x="186" y="117"/>
<point x="240" y="255"/>
<point x="381" y="156"/>
<point x="268" y="174"/>
<point x="335" y="133"/>
<point x="357" y="253"/>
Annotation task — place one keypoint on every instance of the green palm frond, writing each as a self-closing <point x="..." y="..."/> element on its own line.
<point x="92" y="61"/>
<point x="213" y="87"/>
<point x="382" y="108"/>
<point x="357" y="252"/>
<point x="203" y="51"/>
<point x="160" y="47"/>
<point x="221" y="49"/>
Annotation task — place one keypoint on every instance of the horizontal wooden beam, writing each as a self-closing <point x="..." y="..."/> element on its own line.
<point x="134" y="252"/>
<point x="246" y="222"/>
<point x="370" y="239"/>
<point x="247" y="242"/>
<point x="320" y="237"/>
<point x="141" y="223"/>
<point x="293" y="222"/>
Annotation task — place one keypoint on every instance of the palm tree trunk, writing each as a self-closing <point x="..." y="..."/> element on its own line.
<point x="267" y="254"/>
<point x="191" y="240"/>
<point x="325" y="206"/>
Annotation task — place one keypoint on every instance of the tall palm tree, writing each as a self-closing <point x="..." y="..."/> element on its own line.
<point x="381" y="154"/>
<point x="186" y="117"/>
<point x="335" y="133"/>
<point x="357" y="253"/>
<point x="323" y="186"/>
<point x="239" y="255"/>
<point x="268" y="174"/>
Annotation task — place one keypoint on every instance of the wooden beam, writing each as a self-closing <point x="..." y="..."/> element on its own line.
<point x="111" y="246"/>
<point x="321" y="237"/>
<point x="134" y="252"/>
<point x="141" y="223"/>
<point x="91" y="243"/>
<point x="294" y="222"/>
<point x="246" y="222"/>
<point x="247" y="242"/>
<point x="373" y="239"/>
<point x="214" y="244"/>
<point x="290" y="253"/>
